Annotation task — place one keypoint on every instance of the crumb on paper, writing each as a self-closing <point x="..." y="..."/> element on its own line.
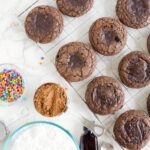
<point x="40" y="62"/>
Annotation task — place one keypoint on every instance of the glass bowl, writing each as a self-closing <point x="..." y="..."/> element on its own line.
<point x="9" y="67"/>
<point x="29" y="126"/>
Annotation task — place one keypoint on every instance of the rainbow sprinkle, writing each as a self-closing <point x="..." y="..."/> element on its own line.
<point x="11" y="85"/>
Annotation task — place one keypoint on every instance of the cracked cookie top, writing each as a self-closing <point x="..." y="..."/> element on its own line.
<point x="75" y="61"/>
<point x="43" y="24"/>
<point x="132" y="129"/>
<point x="104" y="95"/>
<point x="134" y="13"/>
<point x="107" y="36"/>
<point x="74" y="8"/>
<point x="134" y="69"/>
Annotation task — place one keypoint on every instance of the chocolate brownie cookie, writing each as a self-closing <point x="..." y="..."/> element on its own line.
<point x="43" y="24"/>
<point x="148" y="43"/>
<point x="74" y="8"/>
<point x="134" y="70"/>
<point x="50" y="100"/>
<point x="107" y="36"/>
<point x="148" y="104"/>
<point x="132" y="129"/>
<point x="75" y="61"/>
<point x="134" y="13"/>
<point x="104" y="95"/>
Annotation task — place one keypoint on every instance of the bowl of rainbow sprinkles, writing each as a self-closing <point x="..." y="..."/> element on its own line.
<point x="12" y="85"/>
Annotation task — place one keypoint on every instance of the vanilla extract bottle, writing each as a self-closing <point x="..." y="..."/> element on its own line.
<point x="88" y="140"/>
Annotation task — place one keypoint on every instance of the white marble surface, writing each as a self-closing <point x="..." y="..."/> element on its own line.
<point x="16" y="48"/>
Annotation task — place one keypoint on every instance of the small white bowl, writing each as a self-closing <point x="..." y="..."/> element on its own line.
<point x="9" y="67"/>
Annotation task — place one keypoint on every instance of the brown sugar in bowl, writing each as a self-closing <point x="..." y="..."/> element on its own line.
<point x="50" y="100"/>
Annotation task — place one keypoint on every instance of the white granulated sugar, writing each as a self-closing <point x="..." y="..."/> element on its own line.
<point x="42" y="137"/>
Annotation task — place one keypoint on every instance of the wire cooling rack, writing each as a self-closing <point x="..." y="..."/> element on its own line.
<point x="76" y="29"/>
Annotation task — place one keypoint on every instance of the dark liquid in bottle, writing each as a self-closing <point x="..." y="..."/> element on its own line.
<point x="88" y="140"/>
